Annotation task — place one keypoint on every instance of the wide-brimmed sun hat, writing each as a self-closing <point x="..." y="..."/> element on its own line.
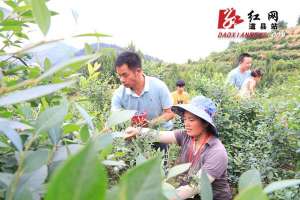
<point x="200" y="106"/>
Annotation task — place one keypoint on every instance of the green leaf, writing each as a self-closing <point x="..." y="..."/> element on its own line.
<point x="178" y="169"/>
<point x="140" y="159"/>
<point x="41" y="14"/>
<point x="112" y="194"/>
<point x="106" y="152"/>
<point x="69" y="128"/>
<point x="118" y="117"/>
<point x="3" y="145"/>
<point x="252" y="192"/>
<point x="32" y="183"/>
<point x="15" y="124"/>
<point x="12" y="135"/>
<point x="1" y="15"/>
<point x="86" y="116"/>
<point x="102" y="141"/>
<point x="26" y="110"/>
<point x="22" y="35"/>
<point x="11" y="22"/>
<point x="24" y="194"/>
<point x="82" y="176"/>
<point x="6" y="114"/>
<point x="205" y="187"/>
<point x="35" y="159"/>
<point x="92" y="35"/>
<point x="64" y="152"/>
<point x="84" y="133"/>
<point x="47" y="64"/>
<point x="90" y="69"/>
<point x="51" y="117"/>
<point x="249" y="178"/>
<point x="53" y="13"/>
<point x="12" y="4"/>
<point x="32" y="93"/>
<point x="88" y="49"/>
<point x="33" y="72"/>
<point x="278" y="185"/>
<point x="11" y="28"/>
<point x="143" y="181"/>
<point x="22" y="9"/>
<point x="6" y="178"/>
<point x="55" y="133"/>
<point x="74" y="62"/>
<point x="45" y="103"/>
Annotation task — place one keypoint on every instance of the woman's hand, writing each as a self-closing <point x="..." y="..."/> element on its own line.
<point x="131" y="132"/>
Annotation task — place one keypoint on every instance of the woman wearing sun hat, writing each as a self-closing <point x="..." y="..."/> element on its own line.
<point x="200" y="146"/>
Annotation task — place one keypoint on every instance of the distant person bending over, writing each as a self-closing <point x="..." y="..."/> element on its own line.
<point x="180" y="96"/>
<point x="145" y="94"/>
<point x="199" y="145"/>
<point x="238" y="75"/>
<point x="248" y="87"/>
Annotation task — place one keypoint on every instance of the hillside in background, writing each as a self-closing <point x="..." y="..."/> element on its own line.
<point x="118" y="49"/>
<point x="60" y="52"/>
<point x="277" y="53"/>
<point x="279" y="57"/>
<point x="56" y="53"/>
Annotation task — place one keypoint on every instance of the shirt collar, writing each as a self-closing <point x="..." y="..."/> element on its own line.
<point x="212" y="140"/>
<point x="146" y="88"/>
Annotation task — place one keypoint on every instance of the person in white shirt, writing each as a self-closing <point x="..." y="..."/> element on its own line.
<point x="248" y="88"/>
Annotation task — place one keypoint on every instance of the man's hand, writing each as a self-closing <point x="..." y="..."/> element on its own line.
<point x="131" y="132"/>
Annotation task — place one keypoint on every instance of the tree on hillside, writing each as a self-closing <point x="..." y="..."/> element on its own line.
<point x="131" y="47"/>
<point x="282" y="24"/>
<point x="298" y="21"/>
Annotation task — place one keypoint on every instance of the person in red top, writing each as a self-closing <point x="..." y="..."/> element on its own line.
<point x="200" y="146"/>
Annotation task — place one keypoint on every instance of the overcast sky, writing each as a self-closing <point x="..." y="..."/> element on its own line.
<point x="173" y="30"/>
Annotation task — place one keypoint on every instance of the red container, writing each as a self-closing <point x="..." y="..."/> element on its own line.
<point x="139" y="119"/>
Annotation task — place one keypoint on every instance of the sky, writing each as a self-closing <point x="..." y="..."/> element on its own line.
<point x="172" y="30"/>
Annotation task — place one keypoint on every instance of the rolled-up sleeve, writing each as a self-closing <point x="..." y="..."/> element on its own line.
<point x="165" y="96"/>
<point x="179" y="135"/>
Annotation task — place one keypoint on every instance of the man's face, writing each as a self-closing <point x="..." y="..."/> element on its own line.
<point x="246" y="63"/>
<point x="180" y="89"/>
<point x="128" y="77"/>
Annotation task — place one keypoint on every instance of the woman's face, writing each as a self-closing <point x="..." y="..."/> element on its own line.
<point x="193" y="125"/>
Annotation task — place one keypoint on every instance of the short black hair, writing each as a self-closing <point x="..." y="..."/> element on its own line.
<point x="180" y="83"/>
<point x="242" y="56"/>
<point x="132" y="59"/>
<point x="256" y="73"/>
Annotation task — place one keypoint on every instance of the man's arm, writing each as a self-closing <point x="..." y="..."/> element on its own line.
<point x="166" y="103"/>
<point x="165" y="116"/>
